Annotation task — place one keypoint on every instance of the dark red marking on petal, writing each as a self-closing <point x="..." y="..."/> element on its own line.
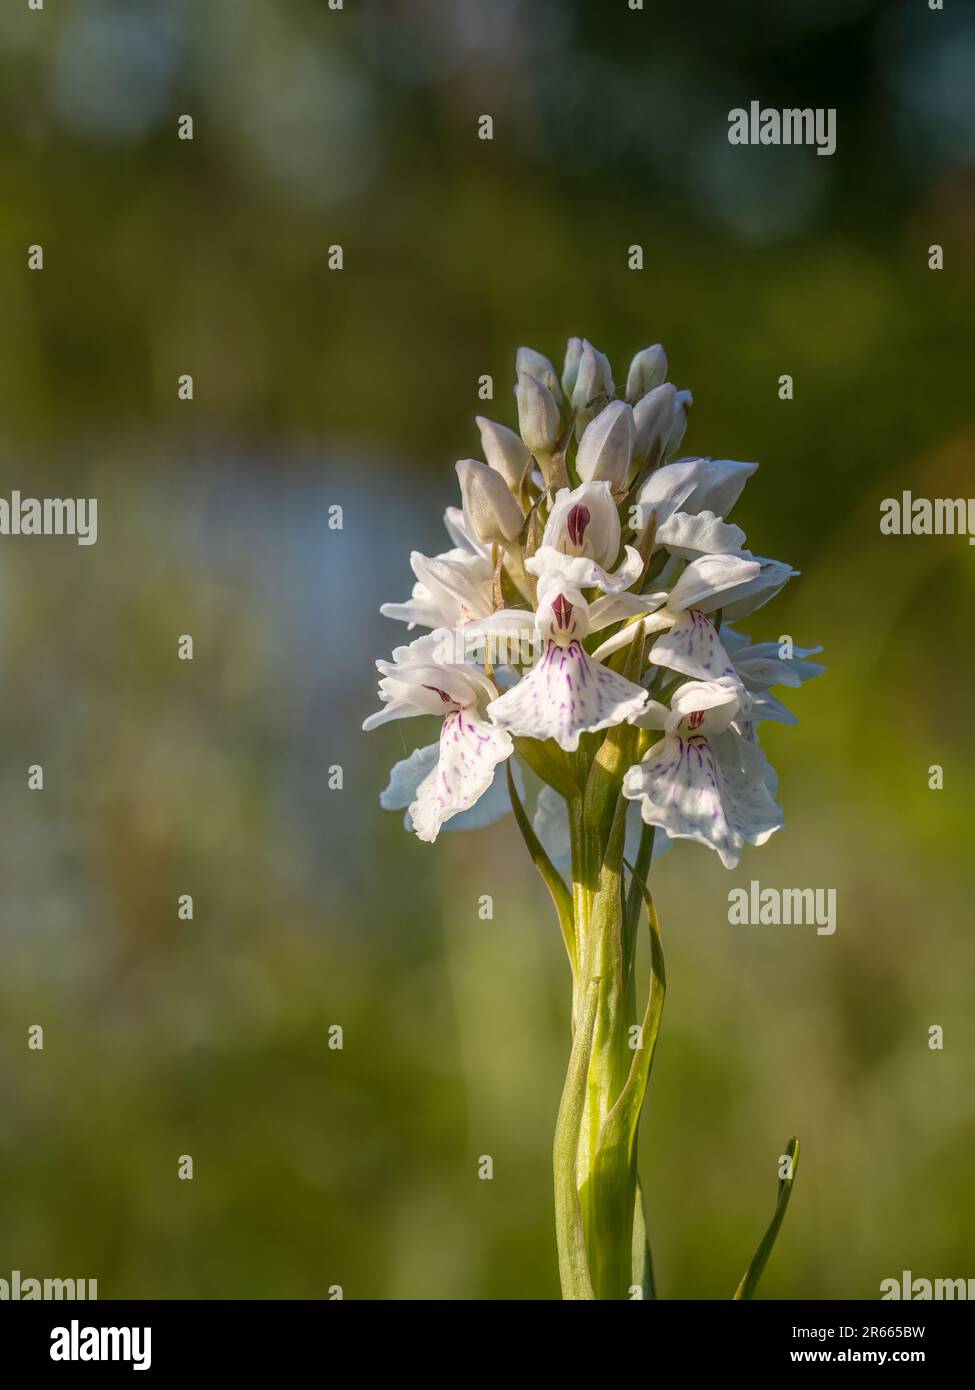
<point x="576" y="523"/>
<point x="562" y="609"/>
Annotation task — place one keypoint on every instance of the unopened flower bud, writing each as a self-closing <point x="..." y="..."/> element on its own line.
<point x="536" y="364"/>
<point x="538" y="415"/>
<point x="654" y="416"/>
<point x="606" y="446"/>
<point x="647" y="370"/>
<point x="491" y="513"/>
<point x="594" y="377"/>
<point x="504" y="451"/>
<point x="679" y="427"/>
<point x="570" y="369"/>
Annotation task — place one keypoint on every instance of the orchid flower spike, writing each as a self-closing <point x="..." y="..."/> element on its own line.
<point x="579" y="537"/>
<point x="566" y="693"/>
<point x="638" y="548"/>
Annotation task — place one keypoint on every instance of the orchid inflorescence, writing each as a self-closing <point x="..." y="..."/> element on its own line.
<point x="581" y="627"/>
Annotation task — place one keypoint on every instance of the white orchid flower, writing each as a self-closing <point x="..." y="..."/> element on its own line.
<point x="752" y="594"/>
<point x="584" y="521"/>
<point x="566" y="693"/>
<point x="407" y="776"/>
<point x="690" y="500"/>
<point x="419" y="680"/>
<point x="703" y="585"/>
<point x="695" y="485"/>
<point x="582" y="572"/>
<point x="738" y="584"/>
<point x="452" y="588"/>
<point x="704" y="780"/>
<point x="582" y="539"/>
<point x="693" y="648"/>
<point x="761" y="664"/>
<point x="689" y="536"/>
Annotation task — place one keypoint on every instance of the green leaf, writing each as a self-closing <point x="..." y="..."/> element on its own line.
<point x="621" y="1123"/>
<point x="760" y="1259"/>
<point x="569" y="1229"/>
<point x="642" y="1258"/>
<point x="551" y="877"/>
<point x="633" y="905"/>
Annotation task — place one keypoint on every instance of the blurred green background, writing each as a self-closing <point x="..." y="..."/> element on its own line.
<point x="358" y="1167"/>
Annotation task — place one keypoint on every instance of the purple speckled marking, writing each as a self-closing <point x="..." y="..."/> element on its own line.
<point x="470" y="749"/>
<point x="693" y="792"/>
<point x="692" y="646"/>
<point x="566" y="694"/>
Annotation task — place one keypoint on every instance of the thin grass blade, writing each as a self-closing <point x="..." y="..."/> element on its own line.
<point x="760" y="1259"/>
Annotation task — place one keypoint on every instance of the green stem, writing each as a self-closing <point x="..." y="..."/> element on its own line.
<point x="612" y="1170"/>
<point x="569" y="1225"/>
<point x="582" y="899"/>
<point x="602" y="1162"/>
<point x="605" y="1175"/>
<point x="620" y="1076"/>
